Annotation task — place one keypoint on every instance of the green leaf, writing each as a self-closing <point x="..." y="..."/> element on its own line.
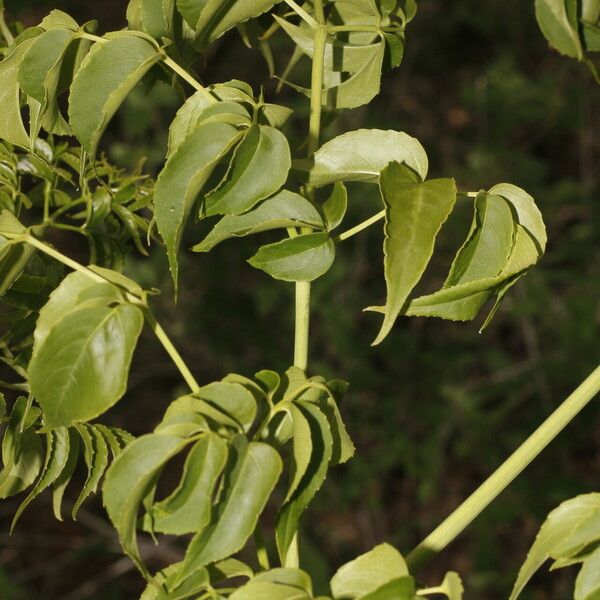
<point x="287" y="576"/>
<point x="199" y="108"/>
<point x="80" y="370"/>
<point x="451" y="587"/>
<point x="311" y="481"/>
<point x="190" y="10"/>
<point x="95" y="455"/>
<point x="21" y="450"/>
<point x="368" y="573"/>
<point x="285" y="209"/>
<point x="233" y="399"/>
<point x="184" y="176"/>
<point x="11" y="122"/>
<point x="39" y="77"/>
<point x="250" y="477"/>
<point x="57" y="19"/>
<point x="559" y="27"/>
<point x="415" y="213"/>
<point x="361" y="156"/>
<point x="75" y="291"/>
<point x="266" y="590"/>
<point x="156" y="18"/>
<point x="560" y="523"/>
<point x="302" y="258"/>
<point x="195" y="584"/>
<point x="334" y="208"/>
<point x="402" y="588"/>
<point x="130" y="478"/>
<point x="587" y="585"/>
<point x="489" y="243"/>
<point x="57" y="454"/>
<point x="187" y="509"/>
<point x="62" y="481"/>
<point x="218" y="16"/>
<point x="259" y="168"/>
<point x="106" y="76"/>
<point x="528" y="214"/>
<point x="302" y="448"/>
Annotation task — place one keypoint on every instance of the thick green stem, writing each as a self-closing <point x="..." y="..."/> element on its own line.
<point x="160" y="333"/>
<point x="303" y="287"/>
<point x="438" y="539"/>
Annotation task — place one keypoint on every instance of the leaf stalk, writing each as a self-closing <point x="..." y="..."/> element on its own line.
<point x="470" y="509"/>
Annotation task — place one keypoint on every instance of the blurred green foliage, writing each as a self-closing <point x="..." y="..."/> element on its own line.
<point x="438" y="406"/>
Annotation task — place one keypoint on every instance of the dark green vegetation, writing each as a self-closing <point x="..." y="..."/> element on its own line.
<point x="437" y="407"/>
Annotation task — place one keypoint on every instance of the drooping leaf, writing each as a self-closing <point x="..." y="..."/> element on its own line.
<point x="587" y="585"/>
<point x="95" y="455"/>
<point x="558" y="21"/>
<point x="558" y="525"/>
<point x="260" y="167"/>
<point x="80" y="369"/>
<point x="415" y="213"/>
<point x="62" y="481"/>
<point x="183" y="177"/>
<point x="250" y="477"/>
<point x="11" y="122"/>
<point x="202" y="108"/>
<point x="311" y="481"/>
<point x="39" y="77"/>
<point x="57" y="454"/>
<point x="302" y="258"/>
<point x="129" y="479"/>
<point x="368" y="573"/>
<point x="285" y="209"/>
<point x="361" y="156"/>
<point x="22" y="453"/>
<point x="233" y="399"/>
<point x="218" y="16"/>
<point x="187" y="509"/>
<point x="106" y="76"/>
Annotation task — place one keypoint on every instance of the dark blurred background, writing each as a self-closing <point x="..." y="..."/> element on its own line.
<point x="437" y="407"/>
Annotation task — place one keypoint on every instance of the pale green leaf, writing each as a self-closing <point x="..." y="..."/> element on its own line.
<point x="231" y="398"/>
<point x="266" y="590"/>
<point x="415" y="213"/>
<point x="11" y="122"/>
<point x="251" y="475"/>
<point x="587" y="585"/>
<point x="302" y="258"/>
<point x="402" y="588"/>
<point x="361" y="156"/>
<point x="106" y="76"/>
<point x="57" y="19"/>
<point x="182" y="179"/>
<point x="559" y="524"/>
<point x="80" y="370"/>
<point x="259" y="168"/>
<point x="559" y="27"/>
<point x="451" y="587"/>
<point x="368" y="572"/>
<point x="190" y="10"/>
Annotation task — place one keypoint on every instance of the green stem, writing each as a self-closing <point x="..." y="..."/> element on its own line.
<point x="303" y="287"/>
<point x="302" y="14"/>
<point x="358" y="228"/>
<point x="160" y="333"/>
<point x="505" y="474"/>
<point x="5" y="30"/>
